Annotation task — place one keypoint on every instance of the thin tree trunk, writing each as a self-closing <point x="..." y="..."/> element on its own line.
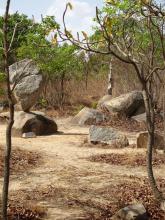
<point x="62" y="91"/>
<point x="86" y="75"/>
<point x="110" y="78"/>
<point x="164" y="114"/>
<point x="7" y="164"/>
<point x="11" y="119"/>
<point x="150" y="116"/>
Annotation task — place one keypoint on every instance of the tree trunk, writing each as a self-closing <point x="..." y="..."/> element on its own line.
<point x="7" y="163"/>
<point x="164" y="114"/>
<point x="62" y="91"/>
<point x="11" y="118"/>
<point x="86" y="75"/>
<point x="110" y="79"/>
<point x="150" y="117"/>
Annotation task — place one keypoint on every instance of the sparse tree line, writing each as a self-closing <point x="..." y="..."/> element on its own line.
<point x="61" y="63"/>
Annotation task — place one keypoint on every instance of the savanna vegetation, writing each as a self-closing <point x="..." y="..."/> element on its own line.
<point x="126" y="52"/>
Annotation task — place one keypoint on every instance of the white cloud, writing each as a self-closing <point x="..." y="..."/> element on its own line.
<point x="79" y="19"/>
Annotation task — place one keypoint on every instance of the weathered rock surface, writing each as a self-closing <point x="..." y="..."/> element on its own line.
<point x="35" y="122"/>
<point x="28" y="82"/>
<point x="107" y="135"/>
<point x="127" y="104"/>
<point x="132" y="212"/>
<point x="140" y="118"/>
<point x="29" y="135"/>
<point x="3" y="105"/>
<point x="142" y="140"/>
<point x="88" y="116"/>
<point x="104" y="99"/>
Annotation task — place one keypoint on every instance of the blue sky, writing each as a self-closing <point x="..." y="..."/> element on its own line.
<point x="80" y="18"/>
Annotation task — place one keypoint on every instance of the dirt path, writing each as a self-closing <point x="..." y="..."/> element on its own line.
<point x="67" y="169"/>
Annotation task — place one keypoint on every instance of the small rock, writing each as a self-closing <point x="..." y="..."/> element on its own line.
<point x="29" y="135"/>
<point x="142" y="140"/>
<point x="107" y="135"/>
<point x="132" y="212"/>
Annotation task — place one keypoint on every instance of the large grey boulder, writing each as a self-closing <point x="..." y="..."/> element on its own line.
<point x="128" y="104"/>
<point x="107" y="135"/>
<point x="27" y="80"/>
<point x="35" y="122"/>
<point x="142" y="140"/>
<point x="132" y="212"/>
<point x="88" y="116"/>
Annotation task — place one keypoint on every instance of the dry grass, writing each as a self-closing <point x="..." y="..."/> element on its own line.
<point x="21" y="160"/>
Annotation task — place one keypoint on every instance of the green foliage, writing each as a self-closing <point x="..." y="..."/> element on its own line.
<point x="94" y="105"/>
<point x="2" y="77"/>
<point x="43" y="102"/>
<point x="78" y="108"/>
<point x="22" y="26"/>
<point x="56" y="61"/>
<point x="2" y="92"/>
<point x="128" y="31"/>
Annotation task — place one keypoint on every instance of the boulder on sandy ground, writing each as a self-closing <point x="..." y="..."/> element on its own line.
<point x="88" y="116"/>
<point x="132" y="212"/>
<point x="141" y="118"/>
<point x="35" y="122"/>
<point x="105" y="98"/>
<point x="128" y="104"/>
<point x="107" y="135"/>
<point x="28" y="82"/>
<point x="142" y="140"/>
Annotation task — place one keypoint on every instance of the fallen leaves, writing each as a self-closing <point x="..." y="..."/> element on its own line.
<point x="137" y="159"/>
<point x="21" y="160"/>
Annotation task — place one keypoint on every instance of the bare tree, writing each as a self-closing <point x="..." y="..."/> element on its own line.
<point x="129" y="34"/>
<point x="6" y="49"/>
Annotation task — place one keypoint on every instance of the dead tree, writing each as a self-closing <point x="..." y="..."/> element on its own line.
<point x="125" y="40"/>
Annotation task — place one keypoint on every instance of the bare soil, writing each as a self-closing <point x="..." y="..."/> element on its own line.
<point x="72" y="187"/>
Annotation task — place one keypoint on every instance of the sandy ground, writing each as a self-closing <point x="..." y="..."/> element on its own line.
<point x="67" y="168"/>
